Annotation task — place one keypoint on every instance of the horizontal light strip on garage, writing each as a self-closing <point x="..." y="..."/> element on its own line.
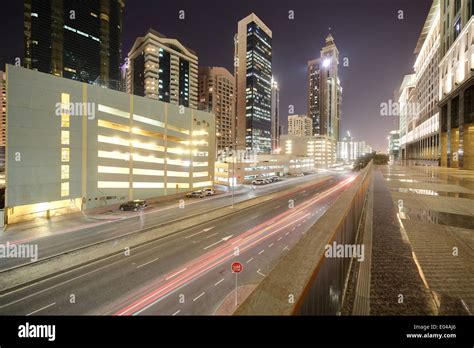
<point x="113" y="184"/>
<point x="113" y="170"/>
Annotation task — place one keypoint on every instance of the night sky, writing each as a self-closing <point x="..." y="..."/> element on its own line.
<point x="379" y="45"/>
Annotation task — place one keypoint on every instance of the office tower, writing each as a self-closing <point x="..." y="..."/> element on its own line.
<point x="253" y="64"/>
<point x="300" y="125"/>
<point x="275" y="117"/>
<point x="325" y="91"/>
<point x="217" y="95"/>
<point x="164" y="69"/>
<point x="456" y="89"/>
<point x="79" y="40"/>
<point x="393" y="144"/>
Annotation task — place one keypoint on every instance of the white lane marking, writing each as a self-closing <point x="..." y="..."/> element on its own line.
<point x="254" y="217"/>
<point x="175" y="313"/>
<point x="277" y="207"/>
<point x="220" y="281"/>
<point x="287" y="233"/>
<point x="219" y="241"/>
<point x="174" y="275"/>
<point x="258" y="271"/>
<point x="279" y="239"/>
<point x="294" y="228"/>
<point x="195" y="234"/>
<point x="212" y="235"/>
<point x="270" y="245"/>
<point x="261" y="251"/>
<point x="108" y="229"/>
<point x="148" y="262"/>
<point x="249" y="260"/>
<point x="202" y="294"/>
<point x="286" y="248"/>
<point x="38" y="310"/>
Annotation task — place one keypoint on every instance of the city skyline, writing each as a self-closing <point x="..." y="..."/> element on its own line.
<point x="311" y="24"/>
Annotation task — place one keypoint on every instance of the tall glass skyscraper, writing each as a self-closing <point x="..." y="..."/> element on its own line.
<point x="79" y="40"/>
<point x="253" y="64"/>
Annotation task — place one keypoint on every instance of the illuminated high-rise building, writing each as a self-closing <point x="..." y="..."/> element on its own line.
<point x="78" y="40"/>
<point x="253" y="70"/>
<point x="164" y="69"/>
<point x="325" y="91"/>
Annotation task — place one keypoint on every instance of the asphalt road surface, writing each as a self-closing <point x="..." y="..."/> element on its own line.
<point x="187" y="272"/>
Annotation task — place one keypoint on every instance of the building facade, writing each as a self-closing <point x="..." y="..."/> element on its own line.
<point x="263" y="166"/>
<point x="349" y="149"/>
<point x="275" y="117"/>
<point x="456" y="88"/>
<point x="325" y="91"/>
<point x="163" y="69"/>
<point x="320" y="149"/>
<point x="300" y="125"/>
<point x="419" y="113"/>
<point x="394" y="145"/>
<point x="217" y="95"/>
<point x="3" y="118"/>
<point x="79" y="40"/>
<point x="253" y="73"/>
<point x="88" y="147"/>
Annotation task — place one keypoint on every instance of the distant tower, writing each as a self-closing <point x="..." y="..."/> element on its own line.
<point x="253" y="62"/>
<point x="325" y="91"/>
<point x="275" y="116"/>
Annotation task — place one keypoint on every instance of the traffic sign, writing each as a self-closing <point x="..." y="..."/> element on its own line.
<point x="237" y="267"/>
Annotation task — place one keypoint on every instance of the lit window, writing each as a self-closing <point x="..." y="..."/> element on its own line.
<point x="65" y="154"/>
<point x="113" y="170"/>
<point x="64" y="189"/>
<point x="113" y="184"/>
<point x="65" y="171"/>
<point x="148" y="185"/>
<point x="65" y="122"/>
<point x="65" y="137"/>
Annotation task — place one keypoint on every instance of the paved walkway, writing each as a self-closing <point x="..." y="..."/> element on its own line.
<point x="423" y="241"/>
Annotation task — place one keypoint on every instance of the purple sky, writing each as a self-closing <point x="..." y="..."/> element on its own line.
<point x="379" y="45"/>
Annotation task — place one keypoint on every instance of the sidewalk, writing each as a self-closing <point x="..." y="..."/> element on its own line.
<point x="423" y="241"/>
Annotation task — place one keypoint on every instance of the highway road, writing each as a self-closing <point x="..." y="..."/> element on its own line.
<point x="61" y="236"/>
<point x="187" y="272"/>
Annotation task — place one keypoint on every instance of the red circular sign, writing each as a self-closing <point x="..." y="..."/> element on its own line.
<point x="237" y="267"/>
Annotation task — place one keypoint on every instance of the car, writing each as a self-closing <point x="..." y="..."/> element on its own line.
<point x="275" y="178"/>
<point x="259" y="182"/>
<point x="134" y="205"/>
<point x="268" y="180"/>
<point x="299" y="174"/>
<point x="195" y="194"/>
<point x="209" y="191"/>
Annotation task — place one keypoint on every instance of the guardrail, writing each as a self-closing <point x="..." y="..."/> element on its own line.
<point x="305" y="281"/>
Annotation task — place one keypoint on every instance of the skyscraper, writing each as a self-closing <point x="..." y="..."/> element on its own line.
<point x="253" y="70"/>
<point x="325" y="91"/>
<point x="217" y="95"/>
<point x="275" y="116"/>
<point x="79" y="40"/>
<point x="164" y="69"/>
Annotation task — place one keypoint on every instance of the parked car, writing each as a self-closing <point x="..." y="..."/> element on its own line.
<point x="259" y="182"/>
<point x="209" y="191"/>
<point x="196" y="194"/>
<point x="135" y="205"/>
<point x="268" y="180"/>
<point x="299" y="174"/>
<point x="275" y="178"/>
